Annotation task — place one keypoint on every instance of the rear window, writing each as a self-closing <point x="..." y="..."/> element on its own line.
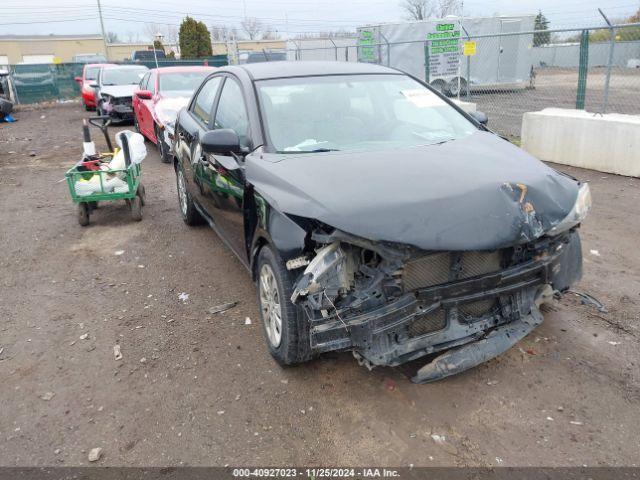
<point x="181" y="81"/>
<point x="122" y="76"/>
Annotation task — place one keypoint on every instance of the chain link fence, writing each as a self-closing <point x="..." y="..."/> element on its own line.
<point x="505" y="75"/>
<point x="33" y="83"/>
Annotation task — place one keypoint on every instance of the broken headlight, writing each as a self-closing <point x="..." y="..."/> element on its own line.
<point x="577" y="214"/>
<point x="327" y="271"/>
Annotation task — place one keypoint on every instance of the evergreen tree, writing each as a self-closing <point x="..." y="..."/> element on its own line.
<point x="542" y="37"/>
<point x="195" y="41"/>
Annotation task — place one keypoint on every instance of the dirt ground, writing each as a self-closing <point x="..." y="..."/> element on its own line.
<point x="199" y="389"/>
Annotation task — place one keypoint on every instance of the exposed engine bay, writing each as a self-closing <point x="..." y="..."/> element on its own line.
<point x="391" y="304"/>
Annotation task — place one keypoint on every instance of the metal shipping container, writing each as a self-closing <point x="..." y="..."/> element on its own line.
<point x="432" y="50"/>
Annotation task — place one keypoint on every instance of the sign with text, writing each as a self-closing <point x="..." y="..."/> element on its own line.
<point x="469" y="49"/>
<point x="444" y="50"/>
<point x="366" y="47"/>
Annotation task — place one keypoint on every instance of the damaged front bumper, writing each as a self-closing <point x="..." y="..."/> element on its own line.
<point x="475" y="318"/>
<point x="119" y="108"/>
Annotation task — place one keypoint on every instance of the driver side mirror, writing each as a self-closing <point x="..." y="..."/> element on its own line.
<point x="223" y="141"/>
<point x="94" y="85"/>
<point x="78" y="80"/>
<point x="479" y="117"/>
<point x="144" y="94"/>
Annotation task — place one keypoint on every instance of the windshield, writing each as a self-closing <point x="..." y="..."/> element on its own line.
<point x="91" y="73"/>
<point x="356" y="112"/>
<point x="122" y="76"/>
<point x="181" y="81"/>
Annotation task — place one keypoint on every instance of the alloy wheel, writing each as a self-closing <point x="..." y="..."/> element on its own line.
<point x="270" y="306"/>
<point x="182" y="193"/>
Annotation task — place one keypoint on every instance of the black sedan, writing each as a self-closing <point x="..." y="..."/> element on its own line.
<point x="374" y="215"/>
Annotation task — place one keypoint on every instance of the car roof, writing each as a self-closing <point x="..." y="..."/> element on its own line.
<point x="88" y="65"/>
<point x="286" y="69"/>
<point x="186" y="68"/>
<point x="113" y="66"/>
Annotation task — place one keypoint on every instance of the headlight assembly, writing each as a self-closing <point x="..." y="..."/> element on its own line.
<point x="577" y="214"/>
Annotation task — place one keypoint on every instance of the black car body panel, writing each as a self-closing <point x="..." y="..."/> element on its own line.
<point x="395" y="254"/>
<point x="467" y="194"/>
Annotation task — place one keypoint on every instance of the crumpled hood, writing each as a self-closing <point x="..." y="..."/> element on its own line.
<point x="476" y="193"/>
<point x="166" y="109"/>
<point x="118" y="91"/>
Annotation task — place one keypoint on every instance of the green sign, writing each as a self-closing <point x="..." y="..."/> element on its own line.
<point x="367" y="51"/>
<point x="444" y="50"/>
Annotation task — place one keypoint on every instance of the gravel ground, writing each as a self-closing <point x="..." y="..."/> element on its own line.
<point x="557" y="88"/>
<point x="199" y="389"/>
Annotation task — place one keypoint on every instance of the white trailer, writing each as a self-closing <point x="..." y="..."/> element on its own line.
<point x="432" y="50"/>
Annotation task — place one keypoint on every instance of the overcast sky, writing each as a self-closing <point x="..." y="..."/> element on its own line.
<point x="127" y="18"/>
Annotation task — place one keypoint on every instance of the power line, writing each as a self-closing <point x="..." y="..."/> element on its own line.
<point x="49" y="21"/>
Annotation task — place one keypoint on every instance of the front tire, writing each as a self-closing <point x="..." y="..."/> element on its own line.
<point x="285" y="326"/>
<point x="163" y="148"/>
<point x="190" y="215"/>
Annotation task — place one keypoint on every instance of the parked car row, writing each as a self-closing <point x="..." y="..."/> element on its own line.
<point x="149" y="98"/>
<point x="373" y="213"/>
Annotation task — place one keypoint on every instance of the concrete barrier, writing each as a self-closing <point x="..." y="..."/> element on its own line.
<point x="607" y="143"/>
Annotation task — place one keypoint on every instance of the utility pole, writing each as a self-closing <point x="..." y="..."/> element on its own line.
<point x="104" y="35"/>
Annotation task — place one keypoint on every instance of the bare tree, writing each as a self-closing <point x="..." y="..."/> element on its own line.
<point x="112" y="37"/>
<point x="269" y="34"/>
<point x="424" y="9"/>
<point x="168" y="32"/>
<point x="223" y="33"/>
<point x="447" y="7"/>
<point x="417" y="9"/>
<point x="252" y="27"/>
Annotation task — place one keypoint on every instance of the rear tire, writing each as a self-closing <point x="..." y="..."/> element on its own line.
<point x="190" y="215"/>
<point x="142" y="193"/>
<point x="285" y="326"/>
<point x="136" y="208"/>
<point x="83" y="214"/>
<point x="438" y="86"/>
<point x="136" y="126"/>
<point x="453" y="88"/>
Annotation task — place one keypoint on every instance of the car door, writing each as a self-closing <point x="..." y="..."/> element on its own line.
<point x="192" y="124"/>
<point x="223" y="185"/>
<point x="146" y="106"/>
<point x="136" y="103"/>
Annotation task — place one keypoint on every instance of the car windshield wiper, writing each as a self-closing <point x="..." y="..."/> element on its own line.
<point x="317" y="150"/>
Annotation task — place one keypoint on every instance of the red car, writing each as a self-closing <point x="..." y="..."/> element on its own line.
<point x="89" y="75"/>
<point x="162" y="93"/>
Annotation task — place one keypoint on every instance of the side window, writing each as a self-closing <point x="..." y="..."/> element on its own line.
<point x="143" y="82"/>
<point x="152" y="83"/>
<point x="232" y="112"/>
<point x="203" y="103"/>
